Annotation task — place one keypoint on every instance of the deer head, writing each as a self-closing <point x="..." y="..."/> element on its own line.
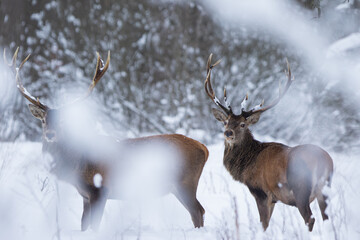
<point x="236" y="125"/>
<point x="51" y="118"/>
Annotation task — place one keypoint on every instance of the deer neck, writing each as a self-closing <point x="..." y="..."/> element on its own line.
<point x="64" y="160"/>
<point x="239" y="157"/>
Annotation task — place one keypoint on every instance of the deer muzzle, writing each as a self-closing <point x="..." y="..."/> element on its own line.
<point x="229" y="135"/>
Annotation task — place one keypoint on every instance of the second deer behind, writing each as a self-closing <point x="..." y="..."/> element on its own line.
<point x="102" y="167"/>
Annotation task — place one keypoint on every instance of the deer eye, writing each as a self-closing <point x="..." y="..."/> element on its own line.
<point x="242" y="125"/>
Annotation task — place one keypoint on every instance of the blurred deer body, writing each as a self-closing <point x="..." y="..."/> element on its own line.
<point x="272" y="171"/>
<point x="100" y="166"/>
<point x="179" y="175"/>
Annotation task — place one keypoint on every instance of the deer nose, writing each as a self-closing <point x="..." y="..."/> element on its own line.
<point x="228" y="133"/>
<point x="50" y="135"/>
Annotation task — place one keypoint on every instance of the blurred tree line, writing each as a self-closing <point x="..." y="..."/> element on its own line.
<point x="154" y="85"/>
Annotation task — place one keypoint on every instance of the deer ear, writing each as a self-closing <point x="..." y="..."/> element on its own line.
<point x="219" y="115"/>
<point x="253" y="118"/>
<point x="37" y="111"/>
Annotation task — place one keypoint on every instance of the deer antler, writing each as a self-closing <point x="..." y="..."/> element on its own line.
<point x="99" y="72"/>
<point x="19" y="84"/>
<point x="209" y="90"/>
<point x="258" y="108"/>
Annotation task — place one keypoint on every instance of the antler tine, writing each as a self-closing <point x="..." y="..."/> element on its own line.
<point x="19" y="83"/>
<point x="225" y="100"/>
<point x="13" y="58"/>
<point x="99" y="72"/>
<point x="281" y="92"/>
<point x="243" y="103"/>
<point x="257" y="106"/>
<point x="209" y="90"/>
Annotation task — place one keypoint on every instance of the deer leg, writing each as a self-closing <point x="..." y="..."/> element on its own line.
<point x="305" y="211"/>
<point x="187" y="196"/>
<point x="322" y="204"/>
<point x="300" y="182"/>
<point x="302" y="195"/>
<point x="97" y="206"/>
<point x="272" y="205"/>
<point x="264" y="205"/>
<point x="262" y="208"/>
<point x="265" y="210"/>
<point x="85" y="219"/>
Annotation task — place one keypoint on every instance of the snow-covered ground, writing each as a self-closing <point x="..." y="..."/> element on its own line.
<point x="35" y="205"/>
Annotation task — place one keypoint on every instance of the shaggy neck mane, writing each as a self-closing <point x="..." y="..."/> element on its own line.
<point x="239" y="156"/>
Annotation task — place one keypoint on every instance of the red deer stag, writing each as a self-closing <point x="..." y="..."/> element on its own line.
<point x="272" y="171"/>
<point x="105" y="158"/>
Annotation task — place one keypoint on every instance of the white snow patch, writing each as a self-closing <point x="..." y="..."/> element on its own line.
<point x="51" y="5"/>
<point x="141" y="42"/>
<point x="234" y="69"/>
<point x="72" y="19"/>
<point x="348" y="43"/>
<point x="98" y="180"/>
<point x="343" y="6"/>
<point x="34" y="205"/>
<point x="37" y="16"/>
<point x="31" y="40"/>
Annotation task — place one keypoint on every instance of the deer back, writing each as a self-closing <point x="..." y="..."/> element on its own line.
<point x="191" y="154"/>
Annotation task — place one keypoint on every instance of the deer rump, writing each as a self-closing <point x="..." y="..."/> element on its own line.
<point x="309" y="169"/>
